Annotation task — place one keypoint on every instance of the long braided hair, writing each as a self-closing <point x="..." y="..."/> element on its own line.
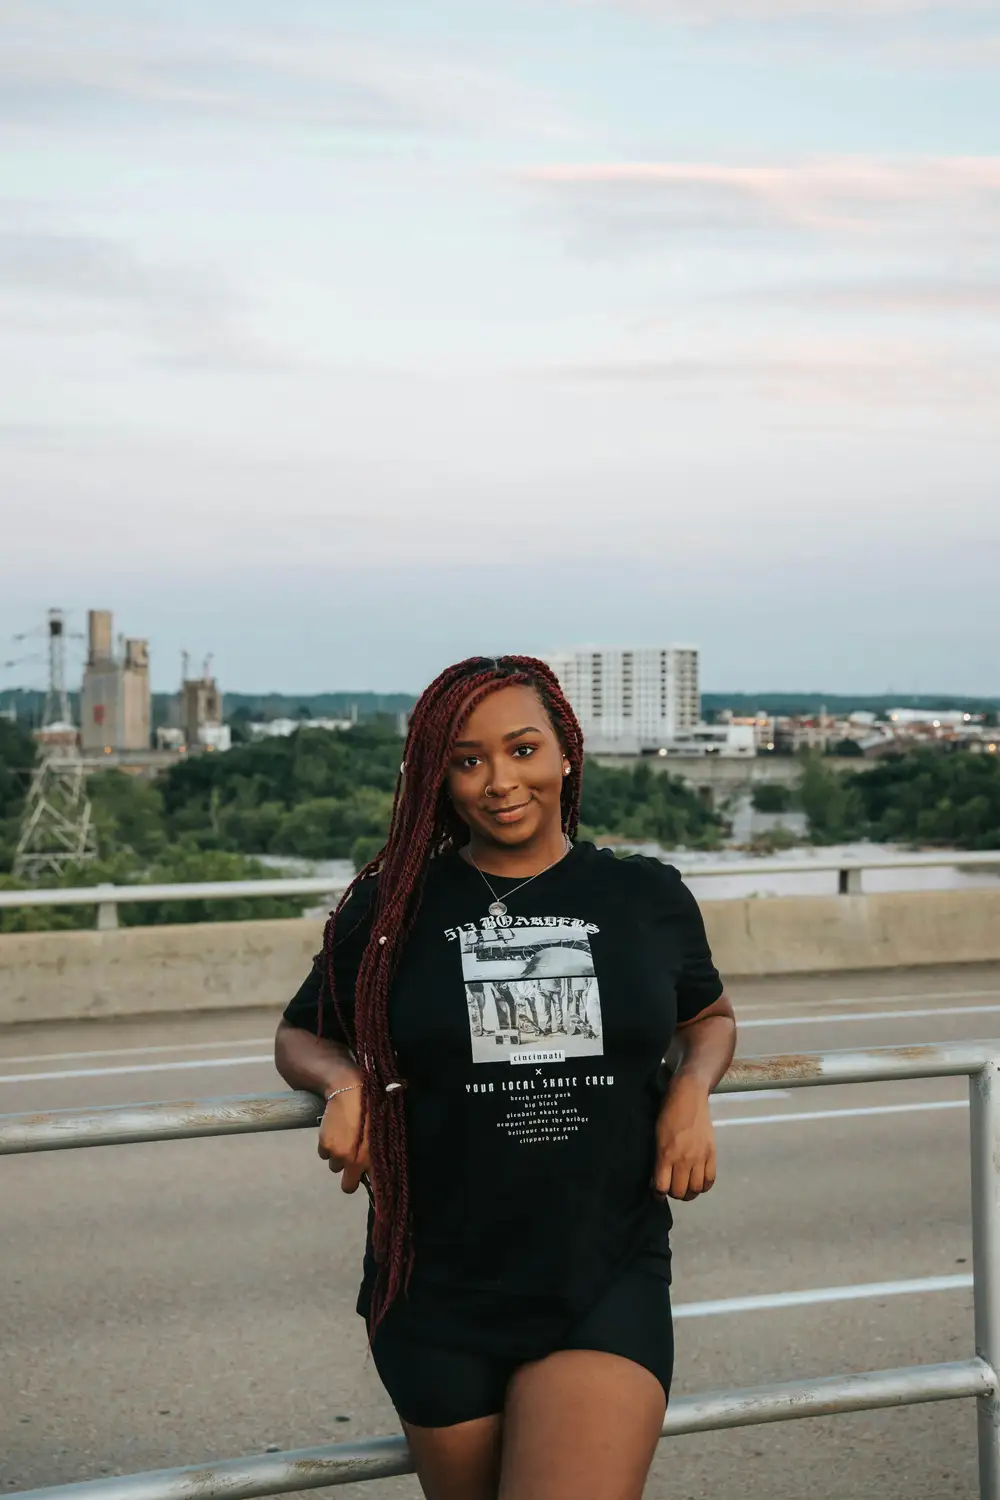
<point x="424" y="825"/>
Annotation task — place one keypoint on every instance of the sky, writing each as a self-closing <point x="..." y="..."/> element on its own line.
<point x="342" y="341"/>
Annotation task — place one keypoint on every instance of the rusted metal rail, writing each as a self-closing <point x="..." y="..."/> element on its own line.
<point x="379" y="1458"/>
<point x="121" y="1125"/>
<point x="384" y="1458"/>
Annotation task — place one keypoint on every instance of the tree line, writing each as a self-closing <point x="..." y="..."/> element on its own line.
<point x="321" y="795"/>
<point x="951" y="799"/>
<point x="315" y="794"/>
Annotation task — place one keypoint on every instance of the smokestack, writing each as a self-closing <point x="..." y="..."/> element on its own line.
<point x="99" y="636"/>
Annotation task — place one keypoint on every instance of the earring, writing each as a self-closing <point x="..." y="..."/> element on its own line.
<point x="566" y="770"/>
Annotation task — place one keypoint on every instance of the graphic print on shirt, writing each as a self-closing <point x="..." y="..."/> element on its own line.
<point x="531" y="987"/>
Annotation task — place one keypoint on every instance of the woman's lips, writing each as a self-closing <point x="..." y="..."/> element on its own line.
<point x="508" y="814"/>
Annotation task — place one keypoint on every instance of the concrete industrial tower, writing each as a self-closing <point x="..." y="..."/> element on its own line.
<point x="56" y="829"/>
<point x="116" y="704"/>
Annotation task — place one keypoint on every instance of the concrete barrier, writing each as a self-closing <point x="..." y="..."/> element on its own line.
<point x="142" y="971"/>
<point x="834" y="934"/>
<point x="50" y="976"/>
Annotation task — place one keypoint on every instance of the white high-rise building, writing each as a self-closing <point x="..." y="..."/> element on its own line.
<point x="631" y="701"/>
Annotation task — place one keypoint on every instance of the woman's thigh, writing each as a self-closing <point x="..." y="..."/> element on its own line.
<point x="449" y="1402"/>
<point x="577" y="1424"/>
<point x="586" y="1420"/>
<point x="461" y="1462"/>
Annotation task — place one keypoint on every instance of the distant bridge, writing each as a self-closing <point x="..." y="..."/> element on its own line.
<point x="717" y="778"/>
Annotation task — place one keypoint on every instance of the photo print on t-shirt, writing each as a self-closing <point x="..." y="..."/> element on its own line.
<point x="530" y="990"/>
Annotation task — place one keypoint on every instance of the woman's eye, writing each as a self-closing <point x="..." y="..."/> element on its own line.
<point x="468" y="761"/>
<point x="526" y="749"/>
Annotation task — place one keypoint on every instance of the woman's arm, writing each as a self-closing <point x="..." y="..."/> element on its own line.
<point x="685" y="1139"/>
<point x="310" y="1062"/>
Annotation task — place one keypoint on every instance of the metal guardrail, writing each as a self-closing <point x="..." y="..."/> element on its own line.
<point x="378" y="1458"/>
<point x="107" y="898"/>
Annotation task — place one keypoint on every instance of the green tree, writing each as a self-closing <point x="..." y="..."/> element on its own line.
<point x="934" y="797"/>
<point x="327" y="827"/>
<point x="364" y="850"/>
<point x="846" y="749"/>
<point x="180" y="864"/>
<point x="128" y="813"/>
<point x="642" y="805"/>
<point x="831" y="803"/>
<point x="773" y="797"/>
<point x="17" y="760"/>
<point x="239" y="725"/>
<point x="773" y="840"/>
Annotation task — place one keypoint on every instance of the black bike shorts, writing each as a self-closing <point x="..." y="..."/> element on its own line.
<point x="431" y="1386"/>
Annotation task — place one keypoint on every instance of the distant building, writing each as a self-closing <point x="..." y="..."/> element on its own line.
<point x="727" y="740"/>
<point x="932" y="718"/>
<point x="170" y="737"/>
<point x="116" y="704"/>
<point x="761" y="726"/>
<point x="281" y="728"/>
<point x="631" y="702"/>
<point x="198" y="713"/>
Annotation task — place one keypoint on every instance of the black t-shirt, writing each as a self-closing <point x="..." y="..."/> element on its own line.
<point x="531" y="1046"/>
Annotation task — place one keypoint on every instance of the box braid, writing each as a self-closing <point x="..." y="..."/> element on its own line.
<point x="423" y="825"/>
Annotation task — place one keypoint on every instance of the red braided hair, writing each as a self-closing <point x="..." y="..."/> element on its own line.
<point x="424" y="824"/>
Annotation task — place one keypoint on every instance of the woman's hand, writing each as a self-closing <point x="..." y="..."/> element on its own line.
<point x="685" y="1141"/>
<point x="338" y="1132"/>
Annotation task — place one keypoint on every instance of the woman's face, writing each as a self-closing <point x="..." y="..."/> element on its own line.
<point x="507" y="769"/>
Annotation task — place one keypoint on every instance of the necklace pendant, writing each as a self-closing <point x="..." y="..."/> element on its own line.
<point x="497" y="909"/>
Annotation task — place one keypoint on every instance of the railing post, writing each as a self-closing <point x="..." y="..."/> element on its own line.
<point x="984" y="1099"/>
<point x="107" y="911"/>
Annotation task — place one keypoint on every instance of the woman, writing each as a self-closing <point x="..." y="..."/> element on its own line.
<point x="516" y="1279"/>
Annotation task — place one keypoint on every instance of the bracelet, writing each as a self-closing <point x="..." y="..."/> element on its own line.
<point x="345" y="1090"/>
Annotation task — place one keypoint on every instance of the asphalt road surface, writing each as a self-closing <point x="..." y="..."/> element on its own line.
<point x="184" y="1301"/>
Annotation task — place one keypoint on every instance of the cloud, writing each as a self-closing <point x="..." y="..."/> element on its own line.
<point x="51" y="72"/>
<point x="854" y="199"/>
<point x="931" y="35"/>
<point x="876" y="376"/>
<point x="181" y="314"/>
<point x="921" y="296"/>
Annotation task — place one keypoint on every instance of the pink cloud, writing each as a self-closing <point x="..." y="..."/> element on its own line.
<point x="835" y="194"/>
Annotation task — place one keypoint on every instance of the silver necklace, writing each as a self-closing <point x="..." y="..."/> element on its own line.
<point x="498" y="908"/>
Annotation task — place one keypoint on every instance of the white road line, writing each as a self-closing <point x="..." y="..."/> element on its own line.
<point x="750" y="1096"/>
<point x="752" y="1005"/>
<point x="796" y="1115"/>
<point x="770" y="1301"/>
<point x="749" y="1011"/>
<point x="237" y="1041"/>
<point x="869" y="1015"/>
<point x="164" y="1067"/>
<point x="883" y="999"/>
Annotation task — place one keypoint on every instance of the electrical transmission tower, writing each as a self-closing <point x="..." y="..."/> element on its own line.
<point x="56" y="710"/>
<point x="57" y="828"/>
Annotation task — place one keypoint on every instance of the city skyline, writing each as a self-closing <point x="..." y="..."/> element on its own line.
<point x="343" y="344"/>
<point x="31" y="678"/>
